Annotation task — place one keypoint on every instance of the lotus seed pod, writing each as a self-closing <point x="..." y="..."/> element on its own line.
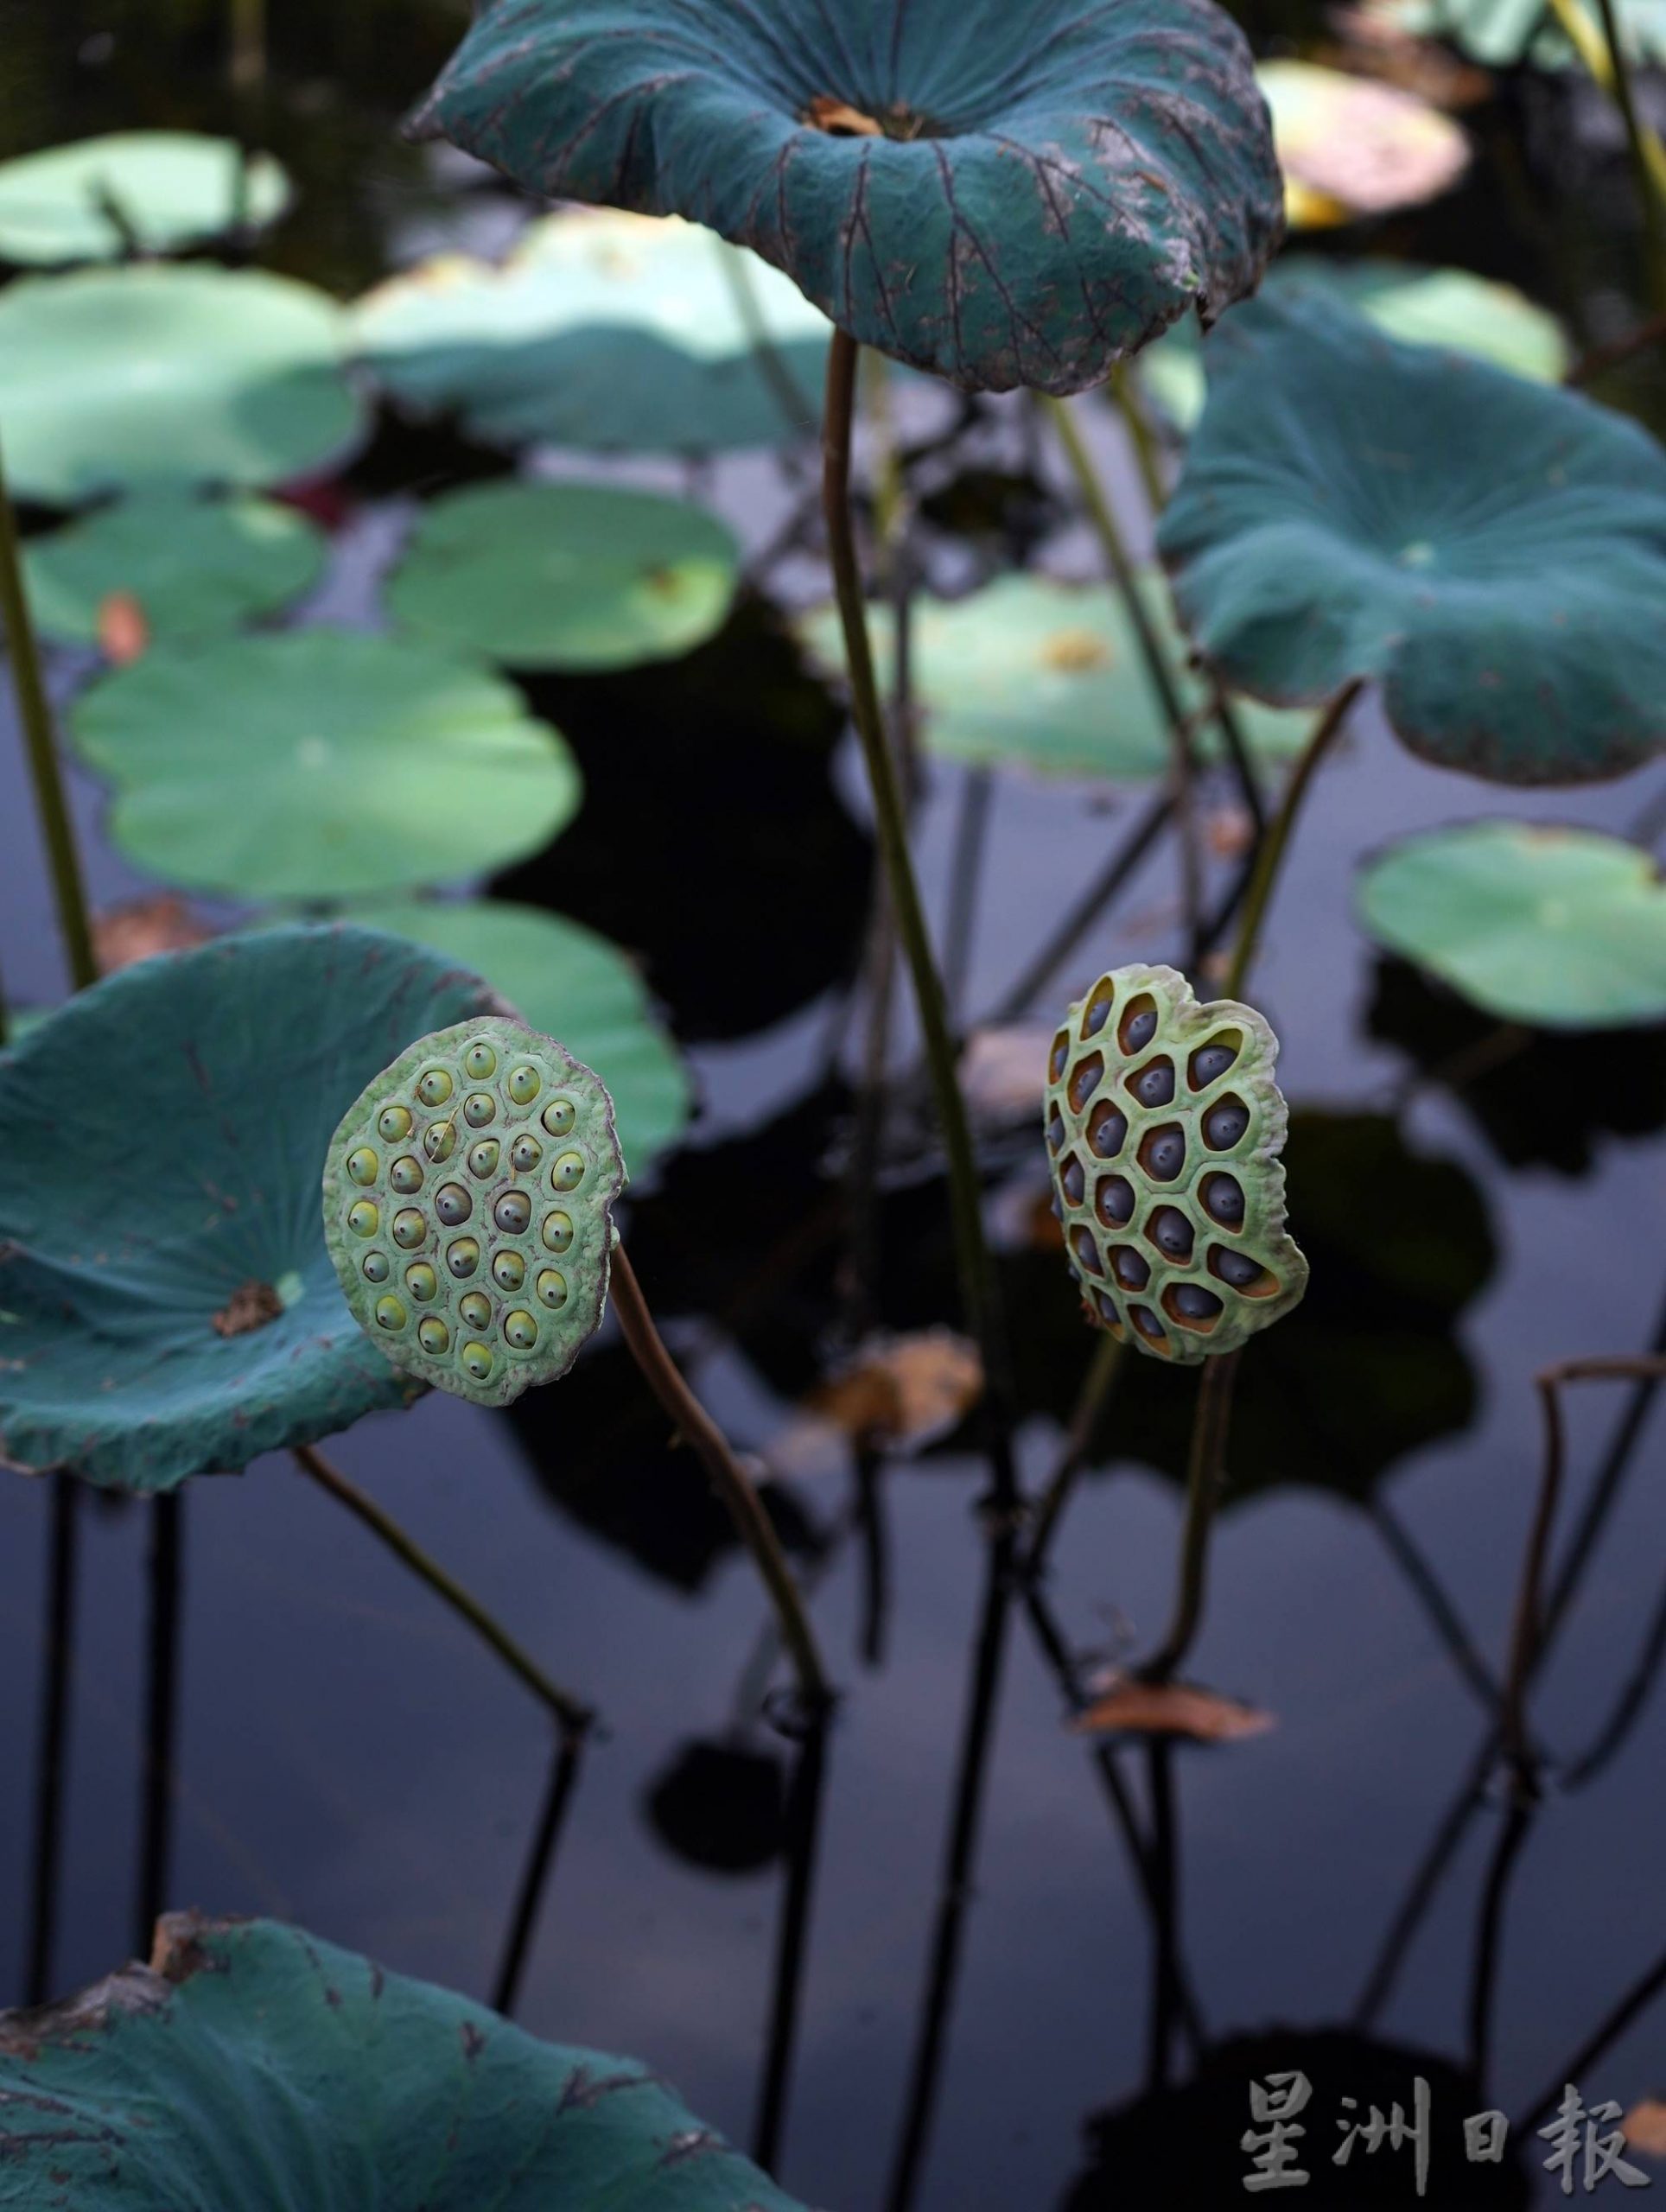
<point x="441" y="1269"/>
<point x="1163" y="1128"/>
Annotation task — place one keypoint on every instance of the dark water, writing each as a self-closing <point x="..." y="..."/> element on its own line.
<point x="348" y="1759"/>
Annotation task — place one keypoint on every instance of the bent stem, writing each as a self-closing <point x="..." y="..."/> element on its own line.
<point x="966" y="1197"/>
<point x="570" y="1713"/>
<point x="1273" y="846"/>
<point x="35" y="716"/>
<point x="1204" y="1476"/>
<point x="696" y="1427"/>
<point x="1096" y="1387"/>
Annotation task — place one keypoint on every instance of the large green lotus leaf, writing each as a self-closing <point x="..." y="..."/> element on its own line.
<point x="566" y="576"/>
<point x="112" y="377"/>
<point x="1352" y="146"/>
<point x="1492" y="551"/>
<point x="1503" y="34"/>
<point x="571" y="983"/>
<point x="153" y="190"/>
<point x="322" y="763"/>
<point x="193" y="567"/>
<point x="1028" y="672"/>
<point x="1563" y="927"/>
<point x="1003" y="195"/>
<point x="605" y="331"/>
<point x="1424" y="307"/>
<point x="167" y="1305"/>
<point x="253" y="2068"/>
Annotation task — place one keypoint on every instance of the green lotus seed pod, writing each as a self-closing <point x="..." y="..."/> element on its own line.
<point x="527" y="1089"/>
<point x="363" y="1166"/>
<point x="1182" y="1249"/>
<point x="390" y="1312"/>
<point x="363" y="1219"/>
<point x="376" y="1267"/>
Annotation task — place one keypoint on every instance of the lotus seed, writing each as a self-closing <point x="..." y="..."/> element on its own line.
<point x="476" y="1309"/>
<point x="362" y="1165"/>
<point x="1192" y="1303"/>
<point x="440" y="1141"/>
<point x="1222" y="1198"/>
<point x="433" y="1087"/>
<point x="513" y="1212"/>
<point x="480" y="1060"/>
<point x="1087" y="1251"/>
<point x="406" y="1176"/>
<point x="479" y="1107"/>
<point x="508" y="1270"/>
<point x="1209" y="1063"/>
<point x="1074" y="1180"/>
<point x="462" y="1256"/>
<point x="559" y="1117"/>
<point x="557" y="1231"/>
<point x="453" y="1204"/>
<point x="1055" y="1132"/>
<point x="432" y="1334"/>
<point x="477" y="1361"/>
<point x="390" y="1313"/>
<point x="552" y="1287"/>
<point x="1147" y="1323"/>
<point x="568" y="1172"/>
<point x="523" y="1086"/>
<point x="1163" y="1153"/>
<point x="1114" y="1200"/>
<point x="1107" y="1130"/>
<point x="376" y="1267"/>
<point x="1155" y="1084"/>
<point x="1060" y="1054"/>
<point x="521" y="1329"/>
<point x="421" y="1282"/>
<point x="363" y="1218"/>
<point x="394" y="1122"/>
<point x="409" y="1227"/>
<point x="1108" y="1312"/>
<point x="483" y="1157"/>
<point x="1170" y="1232"/>
<point x="1236" y="1268"/>
<point x="1130" y="1269"/>
<point x="1139" y="1027"/>
<point x="1094" y="1019"/>
<point x="1223" y="1125"/>
<point x="525" y="1154"/>
<point x="1084" y="1080"/>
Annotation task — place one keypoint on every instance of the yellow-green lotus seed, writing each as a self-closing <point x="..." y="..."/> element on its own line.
<point x="432" y="1334"/>
<point x="363" y="1218"/>
<point x="421" y="1282"/>
<point x="559" y="1117"/>
<point x="568" y="1172"/>
<point x="453" y="1204"/>
<point x="479" y="1107"/>
<point x="433" y="1087"/>
<point x="557" y="1231"/>
<point x="523" y="1086"/>
<point x="462" y="1256"/>
<point x="552" y="1287"/>
<point x="394" y="1122"/>
<point x="406" y="1176"/>
<point x="477" y="1361"/>
<point x="525" y="1154"/>
<point x="479" y="1059"/>
<point x="521" y="1329"/>
<point x="440" y="1140"/>
<point x="376" y="1267"/>
<point x="409" y="1227"/>
<point x="513" y="1212"/>
<point x="476" y="1309"/>
<point x="362" y="1165"/>
<point x="390" y="1313"/>
<point x="483" y="1157"/>
<point x="509" y="1271"/>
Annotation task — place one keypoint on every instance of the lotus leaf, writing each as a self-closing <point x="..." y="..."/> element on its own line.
<point x="1028" y="672"/>
<point x="192" y="567"/>
<point x="1424" y="307"/>
<point x="168" y="1306"/>
<point x="566" y="981"/>
<point x="250" y="2064"/>
<point x="1351" y="146"/>
<point x="1165" y="1126"/>
<point x="321" y="763"/>
<point x="1002" y="195"/>
<point x="467" y="1207"/>
<point x="604" y="331"/>
<point x="112" y="377"/>
<point x="144" y="191"/>
<point x="1503" y="34"/>
<point x="1536" y="923"/>
<point x="566" y="576"/>
<point x="1493" y="551"/>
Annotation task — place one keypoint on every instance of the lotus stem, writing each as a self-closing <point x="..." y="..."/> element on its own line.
<point x="730" y="1479"/>
<point x="34" y="715"/>
<point x="1148" y="451"/>
<point x="1096" y="1386"/>
<point x="572" y="1716"/>
<point x="1603" y="54"/>
<point x="798" y="409"/>
<point x="977" y="1277"/>
<point x="1278" y="837"/>
<point x="1204" y="1476"/>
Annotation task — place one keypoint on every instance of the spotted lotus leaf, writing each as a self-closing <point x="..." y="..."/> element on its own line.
<point x="1165" y="1128"/>
<point x="1001" y="194"/>
<point x="467" y="1198"/>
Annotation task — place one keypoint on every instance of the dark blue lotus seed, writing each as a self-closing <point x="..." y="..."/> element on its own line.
<point x="525" y="1154"/>
<point x="1094" y="1019"/>
<point x="479" y="1107"/>
<point x="1224" y="1124"/>
<point x="440" y="1141"/>
<point x="1114" y="1200"/>
<point x="1148" y="1324"/>
<point x="513" y="1212"/>
<point x="1055" y="1132"/>
<point x="1155" y="1084"/>
<point x="1084" y="1080"/>
<point x="1223" y="1200"/>
<point x="393" y="1123"/>
<point x="1087" y="1252"/>
<point x="453" y="1204"/>
<point x="376" y="1267"/>
<point x="483" y="1158"/>
<point x="1139" y="1027"/>
<point x="462" y="1256"/>
<point x="1130" y="1270"/>
<point x="409" y="1229"/>
<point x="1107" y="1130"/>
<point x="476" y="1309"/>
<point x="1194" y="1303"/>
<point x="1163" y="1153"/>
<point x="1209" y="1062"/>
<point x="1074" y="1181"/>
<point x="1236" y="1268"/>
<point x="1060" y="1055"/>
<point x="1170" y="1232"/>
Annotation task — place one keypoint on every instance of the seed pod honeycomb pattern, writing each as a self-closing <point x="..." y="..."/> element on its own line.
<point x="468" y="1197"/>
<point x="1163" y="1128"/>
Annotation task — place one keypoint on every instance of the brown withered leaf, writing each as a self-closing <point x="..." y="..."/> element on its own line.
<point x="1003" y="1072"/>
<point x="900" y="1392"/>
<point x="123" y="633"/>
<point x="1135" y="1708"/>
<point x="139" y="927"/>
<point x="1645" y="2127"/>
<point x="249" y="1307"/>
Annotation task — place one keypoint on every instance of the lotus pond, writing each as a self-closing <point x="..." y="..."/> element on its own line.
<point x="832" y="1149"/>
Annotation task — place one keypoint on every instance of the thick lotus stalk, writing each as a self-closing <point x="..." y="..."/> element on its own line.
<point x="467" y="1207"/>
<point x="1165" y="1127"/>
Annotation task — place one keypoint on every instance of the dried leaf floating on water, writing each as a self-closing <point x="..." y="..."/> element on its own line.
<point x="1350" y="146"/>
<point x="1136" y="1708"/>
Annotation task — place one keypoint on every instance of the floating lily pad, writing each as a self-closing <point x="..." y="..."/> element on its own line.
<point x="168" y="1306"/>
<point x="251" y="2063"/>
<point x="1424" y="307"/>
<point x="604" y="331"/>
<point x="190" y="566"/>
<point x="566" y="576"/>
<point x="1562" y="927"/>
<point x="1031" y="673"/>
<point x="113" y="378"/>
<point x="1351" y="146"/>
<point x="1163" y="1126"/>
<point x="467" y="1207"/>
<point x="571" y="983"/>
<point x="1002" y="195"/>
<point x="1492" y="551"/>
<point x="144" y="191"/>
<point x="322" y="763"/>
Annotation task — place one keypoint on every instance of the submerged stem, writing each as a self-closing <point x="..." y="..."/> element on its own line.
<point x="1096" y="1387"/>
<point x="1204" y="1476"/>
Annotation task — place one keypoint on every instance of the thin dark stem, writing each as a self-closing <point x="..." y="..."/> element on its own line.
<point x="728" y="1478"/>
<point x="570" y="1713"/>
<point x="1443" y="1614"/>
<point x="1489" y="1936"/>
<point x="1648" y="188"/>
<point x="1628" y="1708"/>
<point x="1148" y="450"/>
<point x="51" y="1755"/>
<point x="535" y="1876"/>
<point x="797" y="408"/>
<point x="1421" y="1894"/>
<point x="1206" y="1475"/>
<point x="965" y="1193"/>
<point x="875" y="1555"/>
<point x="162" y="1710"/>
<point x="804" y="1808"/>
<point x="1596" y="2046"/>
<point x="1165" y="1931"/>
<point x="34" y="715"/>
<point x="1277" y="842"/>
<point x="965" y="878"/>
<point x="1606" y="1488"/>
<point x="1096" y="1386"/>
